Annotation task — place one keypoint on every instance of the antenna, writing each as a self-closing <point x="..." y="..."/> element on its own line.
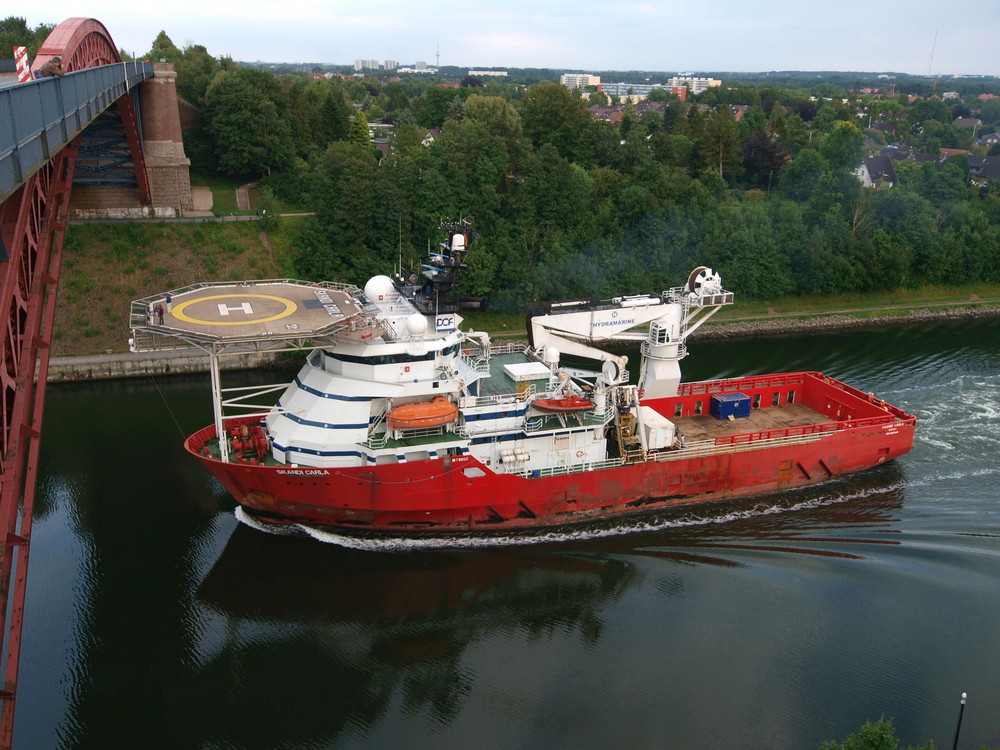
<point x="933" y="46"/>
<point x="437" y="56"/>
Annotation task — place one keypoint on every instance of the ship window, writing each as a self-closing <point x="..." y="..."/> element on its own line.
<point x="756" y="401"/>
<point x="791" y="397"/>
<point x="697" y="407"/>
<point x="775" y="399"/>
<point x="383" y="359"/>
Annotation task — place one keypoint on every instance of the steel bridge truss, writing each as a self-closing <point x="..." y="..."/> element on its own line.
<point x="41" y="122"/>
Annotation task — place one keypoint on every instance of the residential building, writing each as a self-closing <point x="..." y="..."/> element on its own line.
<point x="984" y="169"/>
<point x="695" y="85"/>
<point x="615" y="112"/>
<point x="579" y="80"/>
<point x="639" y="91"/>
<point x="481" y="73"/>
<point x="967" y="123"/>
<point x="988" y="140"/>
<point x="875" y="170"/>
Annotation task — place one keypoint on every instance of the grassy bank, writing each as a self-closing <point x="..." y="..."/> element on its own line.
<point x="106" y="266"/>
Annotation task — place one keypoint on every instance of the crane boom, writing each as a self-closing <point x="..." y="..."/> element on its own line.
<point x="576" y="327"/>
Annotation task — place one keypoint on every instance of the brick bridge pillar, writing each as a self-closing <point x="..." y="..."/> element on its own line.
<point x="163" y="143"/>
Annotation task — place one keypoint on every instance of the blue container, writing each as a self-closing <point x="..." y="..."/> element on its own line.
<point x="726" y="405"/>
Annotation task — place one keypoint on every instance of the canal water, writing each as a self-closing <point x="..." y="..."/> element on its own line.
<point x="155" y="619"/>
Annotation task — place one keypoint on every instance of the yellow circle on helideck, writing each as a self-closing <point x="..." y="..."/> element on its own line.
<point x="178" y="311"/>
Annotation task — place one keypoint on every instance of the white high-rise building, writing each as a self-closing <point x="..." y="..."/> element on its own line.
<point x="695" y="85"/>
<point x="579" y="80"/>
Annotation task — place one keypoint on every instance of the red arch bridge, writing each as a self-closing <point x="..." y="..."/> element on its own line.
<point x="54" y="132"/>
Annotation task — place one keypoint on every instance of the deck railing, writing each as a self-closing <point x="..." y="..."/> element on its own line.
<point x="731" y="444"/>
<point x="813" y="429"/>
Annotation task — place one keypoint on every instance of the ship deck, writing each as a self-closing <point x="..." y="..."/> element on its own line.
<point x="499" y="384"/>
<point x="708" y="427"/>
<point x="242" y="310"/>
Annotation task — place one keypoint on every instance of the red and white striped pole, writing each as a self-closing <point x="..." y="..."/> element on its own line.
<point x="21" y="63"/>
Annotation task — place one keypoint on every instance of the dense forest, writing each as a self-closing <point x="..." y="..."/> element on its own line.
<point x="569" y="205"/>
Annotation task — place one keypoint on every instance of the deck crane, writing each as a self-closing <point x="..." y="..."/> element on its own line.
<point x="574" y="327"/>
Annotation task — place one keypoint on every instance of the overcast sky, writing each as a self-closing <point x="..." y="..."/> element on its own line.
<point x="907" y="36"/>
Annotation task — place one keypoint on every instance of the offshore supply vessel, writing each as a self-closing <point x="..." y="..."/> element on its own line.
<point x="400" y="422"/>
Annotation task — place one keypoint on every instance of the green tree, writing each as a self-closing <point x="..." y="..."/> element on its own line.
<point x="337" y="112"/>
<point x="878" y="736"/>
<point x="164" y="49"/>
<point x="800" y="176"/>
<point x="14" y="32"/>
<point x="360" y="135"/>
<point x="843" y="146"/>
<point x="661" y="95"/>
<point x="719" y="144"/>
<point x="394" y="98"/>
<point x="243" y="130"/>
<point x="763" y="159"/>
<point x="675" y="150"/>
<point x="753" y="121"/>
<point x="353" y="235"/>
<point x="434" y="106"/>
<point x="196" y="69"/>
<point x="790" y="129"/>
<point x="550" y="114"/>
<point x="496" y="113"/>
<point x="598" y="98"/>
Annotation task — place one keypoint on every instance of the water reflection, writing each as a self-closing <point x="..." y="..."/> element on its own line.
<point x="396" y="630"/>
<point x="379" y="627"/>
<point x="829" y="520"/>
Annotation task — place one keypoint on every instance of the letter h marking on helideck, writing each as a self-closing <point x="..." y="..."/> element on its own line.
<point x="245" y="307"/>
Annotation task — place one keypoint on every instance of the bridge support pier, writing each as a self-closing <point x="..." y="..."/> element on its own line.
<point x="167" y="167"/>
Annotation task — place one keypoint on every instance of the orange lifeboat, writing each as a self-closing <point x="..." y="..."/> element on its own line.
<point x="438" y="411"/>
<point x="565" y="405"/>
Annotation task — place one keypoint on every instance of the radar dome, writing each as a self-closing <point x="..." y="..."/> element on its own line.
<point x="416" y="324"/>
<point x="379" y="287"/>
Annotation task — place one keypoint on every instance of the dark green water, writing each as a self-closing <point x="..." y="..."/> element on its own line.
<point x="155" y="620"/>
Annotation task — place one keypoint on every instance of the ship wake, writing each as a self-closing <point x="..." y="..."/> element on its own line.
<point x="787" y="501"/>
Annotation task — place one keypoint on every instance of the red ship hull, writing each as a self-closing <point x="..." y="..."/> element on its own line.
<point x="459" y="494"/>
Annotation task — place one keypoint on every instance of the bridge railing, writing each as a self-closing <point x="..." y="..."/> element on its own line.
<point x="39" y="117"/>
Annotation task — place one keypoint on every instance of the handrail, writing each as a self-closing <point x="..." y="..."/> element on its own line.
<point x="782" y="432"/>
<point x="733" y="385"/>
<point x="40" y="116"/>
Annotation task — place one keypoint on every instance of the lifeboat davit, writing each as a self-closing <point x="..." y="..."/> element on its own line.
<point x="562" y="405"/>
<point x="434" y="413"/>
